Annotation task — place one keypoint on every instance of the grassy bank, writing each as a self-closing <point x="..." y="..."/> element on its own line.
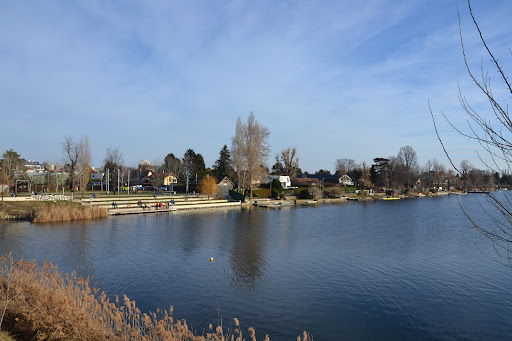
<point x="44" y="304"/>
<point x="5" y="337"/>
<point x="44" y="211"/>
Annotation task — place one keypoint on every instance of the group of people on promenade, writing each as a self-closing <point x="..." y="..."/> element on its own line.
<point x="146" y="206"/>
<point x="157" y="205"/>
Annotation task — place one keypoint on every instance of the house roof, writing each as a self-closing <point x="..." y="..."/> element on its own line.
<point x="225" y="178"/>
<point x="305" y="181"/>
<point x="323" y="177"/>
<point x="161" y="175"/>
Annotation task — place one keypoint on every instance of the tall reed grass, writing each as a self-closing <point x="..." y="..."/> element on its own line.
<point x="37" y="302"/>
<point x="58" y="213"/>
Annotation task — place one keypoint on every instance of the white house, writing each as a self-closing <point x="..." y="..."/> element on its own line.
<point x="345" y="180"/>
<point x="283" y="179"/>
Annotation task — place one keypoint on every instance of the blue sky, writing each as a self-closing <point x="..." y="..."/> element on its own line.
<point x="336" y="79"/>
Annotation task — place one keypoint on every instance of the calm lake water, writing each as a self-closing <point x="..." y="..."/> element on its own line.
<point x="407" y="269"/>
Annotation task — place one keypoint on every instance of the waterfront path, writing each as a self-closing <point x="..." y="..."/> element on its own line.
<point x="137" y="204"/>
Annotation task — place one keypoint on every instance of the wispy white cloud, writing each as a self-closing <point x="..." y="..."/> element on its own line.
<point x="336" y="79"/>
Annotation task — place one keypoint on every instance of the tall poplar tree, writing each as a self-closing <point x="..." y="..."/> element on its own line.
<point x="250" y="150"/>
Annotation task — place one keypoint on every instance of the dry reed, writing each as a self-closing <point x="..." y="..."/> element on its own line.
<point x="58" y="213"/>
<point x="40" y="303"/>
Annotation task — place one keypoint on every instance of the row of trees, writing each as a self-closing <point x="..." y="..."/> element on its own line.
<point x="403" y="172"/>
<point x="246" y="162"/>
<point x="76" y="155"/>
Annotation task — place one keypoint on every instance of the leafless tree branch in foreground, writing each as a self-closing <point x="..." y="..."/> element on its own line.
<point x="492" y="131"/>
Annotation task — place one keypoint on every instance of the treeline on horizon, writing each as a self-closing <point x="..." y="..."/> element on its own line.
<point x="246" y="162"/>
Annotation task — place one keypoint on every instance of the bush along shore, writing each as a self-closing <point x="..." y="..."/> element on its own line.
<point x="37" y="302"/>
<point x="42" y="212"/>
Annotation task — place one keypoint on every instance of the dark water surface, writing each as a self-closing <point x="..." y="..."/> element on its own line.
<point x="407" y="269"/>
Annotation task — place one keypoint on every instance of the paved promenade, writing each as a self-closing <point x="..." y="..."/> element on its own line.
<point x="137" y="204"/>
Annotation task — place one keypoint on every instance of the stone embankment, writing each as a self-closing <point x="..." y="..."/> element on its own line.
<point x="137" y="204"/>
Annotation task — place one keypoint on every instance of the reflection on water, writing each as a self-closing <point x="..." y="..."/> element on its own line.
<point x="247" y="252"/>
<point x="383" y="270"/>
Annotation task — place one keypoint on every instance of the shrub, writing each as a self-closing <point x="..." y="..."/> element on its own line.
<point x="348" y="189"/>
<point x="298" y="190"/>
<point x="261" y="193"/>
<point x="333" y="192"/>
<point x="274" y="194"/>
<point x="276" y="184"/>
<point x="304" y="194"/>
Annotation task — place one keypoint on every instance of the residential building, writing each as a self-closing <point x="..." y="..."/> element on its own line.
<point x="305" y="182"/>
<point x="345" y="180"/>
<point x="283" y="179"/>
<point x="224" y="186"/>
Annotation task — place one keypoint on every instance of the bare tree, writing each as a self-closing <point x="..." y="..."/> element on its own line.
<point x="407" y="158"/>
<point x="344" y="166"/>
<point x="366" y="179"/>
<point x="288" y="161"/>
<point x="250" y="150"/>
<point x="492" y="132"/>
<point x="396" y="172"/>
<point x="238" y="152"/>
<point x="464" y="169"/>
<point x="427" y="179"/>
<point x="257" y="149"/>
<point x="84" y="163"/>
<point x="172" y="164"/>
<point x="70" y="155"/>
<point x="5" y="182"/>
<point x="113" y="160"/>
<point x="439" y="173"/>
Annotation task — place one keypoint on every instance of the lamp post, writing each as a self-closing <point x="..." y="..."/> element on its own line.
<point x="186" y="190"/>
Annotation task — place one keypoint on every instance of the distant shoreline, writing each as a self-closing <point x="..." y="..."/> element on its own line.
<point x="23" y="208"/>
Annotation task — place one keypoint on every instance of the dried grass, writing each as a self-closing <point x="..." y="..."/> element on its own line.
<point x="58" y="213"/>
<point x="42" y="212"/>
<point x="40" y="303"/>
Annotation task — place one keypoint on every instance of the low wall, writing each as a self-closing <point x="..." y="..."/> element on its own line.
<point x="41" y="197"/>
